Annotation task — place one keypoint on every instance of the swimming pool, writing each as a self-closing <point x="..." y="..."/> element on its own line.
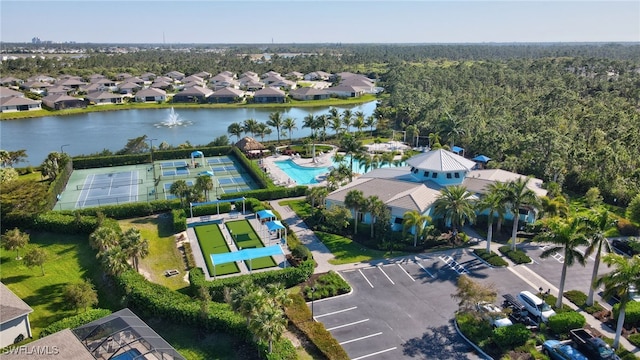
<point x="307" y="175"/>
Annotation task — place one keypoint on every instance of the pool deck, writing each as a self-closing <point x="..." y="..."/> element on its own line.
<point x="279" y="177"/>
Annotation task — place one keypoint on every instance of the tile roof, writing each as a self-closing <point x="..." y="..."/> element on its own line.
<point x="441" y="160"/>
<point x="477" y="180"/>
<point x="17" y="101"/>
<point x="68" y="347"/>
<point x="196" y="90"/>
<point x="269" y="91"/>
<point x="151" y="92"/>
<point x="11" y="306"/>
<point x="226" y="92"/>
<point x="6" y="92"/>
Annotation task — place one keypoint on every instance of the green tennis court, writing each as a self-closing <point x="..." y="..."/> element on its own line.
<point x="246" y="238"/>
<point x="212" y="241"/>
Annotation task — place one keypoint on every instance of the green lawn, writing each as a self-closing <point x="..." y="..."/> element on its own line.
<point x="346" y="251"/>
<point x="212" y="242"/>
<point x="163" y="252"/>
<point x="246" y="237"/>
<point x="301" y="207"/>
<point x="70" y="260"/>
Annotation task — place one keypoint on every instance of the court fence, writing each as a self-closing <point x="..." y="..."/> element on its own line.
<point x="108" y="184"/>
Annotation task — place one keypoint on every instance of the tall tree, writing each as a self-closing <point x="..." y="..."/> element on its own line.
<point x="370" y="121"/>
<point x="347" y="119"/>
<point x="289" y="125"/>
<point x="263" y="130"/>
<point x="493" y="203"/>
<point x="36" y="257"/>
<point x="597" y="226"/>
<point x="180" y="189"/>
<point x="204" y="183"/>
<point x="416" y="221"/>
<point x="375" y="207"/>
<point x="311" y="122"/>
<point x="359" y="122"/>
<point x="567" y="236"/>
<point x="334" y="120"/>
<point x="137" y="145"/>
<point x="134" y="246"/>
<point x="276" y="121"/>
<point x="355" y="201"/>
<point x="456" y="205"/>
<point x="235" y="129"/>
<point x="518" y="195"/>
<point x="103" y="238"/>
<point x="626" y="272"/>
<point x="250" y="126"/>
<point x="15" y="239"/>
<point x="80" y="295"/>
<point x="113" y="260"/>
<point x="470" y="293"/>
<point x="269" y="324"/>
<point x="351" y="147"/>
<point x="317" y="195"/>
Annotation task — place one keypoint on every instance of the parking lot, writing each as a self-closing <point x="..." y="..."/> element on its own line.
<point x="403" y="308"/>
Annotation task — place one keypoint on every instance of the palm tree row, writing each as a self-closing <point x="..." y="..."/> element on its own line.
<point x="115" y="249"/>
<point x="199" y="191"/>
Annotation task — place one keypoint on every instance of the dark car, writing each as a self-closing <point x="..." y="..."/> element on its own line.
<point x="629" y="246"/>
<point x="557" y="350"/>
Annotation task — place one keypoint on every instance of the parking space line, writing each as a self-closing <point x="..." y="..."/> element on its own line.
<point x="336" y="312"/>
<point x="425" y="270"/>
<point x="369" y="282"/>
<point x="375" y="353"/>
<point x="349" y="324"/>
<point x="385" y="274"/>
<point x="360" y="338"/>
<point x="405" y="271"/>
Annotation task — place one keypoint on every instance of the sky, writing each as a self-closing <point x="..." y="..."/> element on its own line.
<point x="319" y="21"/>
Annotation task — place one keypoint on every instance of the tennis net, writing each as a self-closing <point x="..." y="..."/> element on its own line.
<point x="108" y="184"/>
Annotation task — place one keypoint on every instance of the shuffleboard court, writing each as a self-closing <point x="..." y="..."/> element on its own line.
<point x="110" y="188"/>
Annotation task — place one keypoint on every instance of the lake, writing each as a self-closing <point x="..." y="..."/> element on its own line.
<point x="93" y="132"/>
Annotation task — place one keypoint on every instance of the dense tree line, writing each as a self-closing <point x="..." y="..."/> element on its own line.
<point x="573" y="121"/>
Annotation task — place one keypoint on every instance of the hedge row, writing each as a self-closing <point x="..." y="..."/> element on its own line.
<point x="490" y="257"/>
<point x="269" y="194"/>
<point x="90" y="162"/>
<point x="580" y="300"/>
<point x="631" y="313"/>
<point x="300" y="315"/>
<point x="179" y="220"/>
<point x="287" y="277"/>
<point x="561" y="323"/>
<point x="188" y="254"/>
<point x="57" y="186"/>
<point x="517" y="256"/>
<point x="129" y="210"/>
<point x="256" y="173"/>
<point x="327" y="285"/>
<point x="75" y="321"/>
<point x="54" y="221"/>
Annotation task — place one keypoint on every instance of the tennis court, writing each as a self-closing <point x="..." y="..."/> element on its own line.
<point x="219" y="160"/>
<point x="106" y="189"/>
<point x="173" y="164"/>
<point x="179" y="171"/>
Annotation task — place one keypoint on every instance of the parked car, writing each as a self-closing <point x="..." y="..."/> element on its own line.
<point x="538" y="309"/>
<point x="629" y="246"/>
<point x="558" y="350"/>
<point x="493" y="313"/>
<point x="517" y="312"/>
<point x="592" y="346"/>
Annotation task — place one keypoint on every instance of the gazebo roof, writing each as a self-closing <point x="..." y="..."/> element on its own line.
<point x="265" y="214"/>
<point x="274" y="225"/>
<point x="248" y="143"/>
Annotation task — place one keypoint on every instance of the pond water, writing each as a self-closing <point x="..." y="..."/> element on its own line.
<point x="94" y="132"/>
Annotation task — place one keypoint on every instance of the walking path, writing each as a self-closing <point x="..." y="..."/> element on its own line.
<point x="322" y="255"/>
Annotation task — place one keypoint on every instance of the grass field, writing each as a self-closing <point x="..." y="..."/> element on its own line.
<point x="346" y="251"/>
<point x="70" y="259"/>
<point x="163" y="252"/>
<point x="212" y="242"/>
<point x="246" y="237"/>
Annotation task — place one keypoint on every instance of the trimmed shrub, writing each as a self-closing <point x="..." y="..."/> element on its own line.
<point x="490" y="257"/>
<point x="577" y="297"/>
<point x="188" y="254"/>
<point x="131" y="210"/>
<point x="474" y="328"/>
<point x="179" y="220"/>
<point x="634" y="339"/>
<point x="273" y="193"/>
<point x="211" y="209"/>
<point x="561" y="323"/>
<point x="631" y="314"/>
<point x="90" y="162"/>
<point x="626" y="228"/>
<point x="327" y="285"/>
<point x="75" y="321"/>
<point x="300" y="316"/>
<point x="509" y="337"/>
<point x="301" y="252"/>
<point x="55" y="221"/>
<point x="517" y="256"/>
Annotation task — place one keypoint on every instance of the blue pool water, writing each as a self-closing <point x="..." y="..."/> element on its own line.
<point x="129" y="355"/>
<point x="307" y="175"/>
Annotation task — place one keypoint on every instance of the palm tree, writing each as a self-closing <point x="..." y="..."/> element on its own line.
<point x="347" y="116"/>
<point x="134" y="246"/>
<point x="250" y="126"/>
<point x="354" y="200"/>
<point x="269" y="324"/>
<point x="263" y="130"/>
<point x="310" y="121"/>
<point x="113" y="260"/>
<point x="517" y="195"/>
<point x="334" y="120"/>
<point x="235" y="129"/>
<point x="15" y="240"/>
<point x="317" y="195"/>
<point x="434" y="141"/>
<point x="179" y="188"/>
<point x="456" y="205"/>
<point x="598" y="243"/>
<point x="278" y="296"/>
<point x="290" y="125"/>
<point x="276" y="121"/>
<point x="351" y="146"/>
<point x="493" y="202"/>
<point x="556" y="206"/>
<point x="370" y="121"/>
<point x="414" y="220"/>
<point x="451" y="128"/>
<point x="359" y="122"/>
<point x="617" y="282"/>
<point x="322" y="121"/>
<point x="103" y="238"/>
<point x="375" y="207"/>
<point x="204" y="183"/>
<point x="567" y="236"/>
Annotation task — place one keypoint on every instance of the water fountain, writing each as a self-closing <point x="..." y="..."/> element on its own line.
<point x="173" y="120"/>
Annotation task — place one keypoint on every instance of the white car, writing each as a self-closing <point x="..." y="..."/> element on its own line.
<point x="493" y="313"/>
<point x="538" y="309"/>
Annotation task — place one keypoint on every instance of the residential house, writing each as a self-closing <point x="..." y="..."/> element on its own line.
<point x="345" y="91"/>
<point x="284" y="84"/>
<point x="294" y="75"/>
<point x="203" y="75"/>
<point x="228" y="74"/>
<point x="134" y="79"/>
<point x="249" y="74"/>
<point x="128" y="88"/>
<point x="317" y="75"/>
<point x="359" y="82"/>
<point x="308" y="93"/>
<point x="226" y="95"/>
<point x="221" y="81"/>
<point x="14" y="318"/>
<point x="94" y="87"/>
<point x="194" y="79"/>
<point x="104" y="84"/>
<point x="148" y="77"/>
<point x="270" y="73"/>
<point x="193" y="94"/>
<point x="123" y="76"/>
<point x="58" y="90"/>
<point x="6" y="92"/>
<point x="151" y="95"/>
<point x="163" y="85"/>
<point x="63" y="101"/>
<point x="103" y="98"/>
<point x="269" y="95"/>
<point x="36" y="87"/>
<point x="95" y="77"/>
<point x="272" y="79"/>
<point x="19" y="103"/>
<point x="42" y="78"/>
<point x="176" y="75"/>
<point x="11" y="81"/>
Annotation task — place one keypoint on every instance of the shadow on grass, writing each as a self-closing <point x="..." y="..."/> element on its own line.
<point x="440" y="342"/>
<point x="49" y="295"/>
<point x="14" y="279"/>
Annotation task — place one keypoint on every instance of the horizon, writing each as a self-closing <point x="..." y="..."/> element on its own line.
<point x="321" y="22"/>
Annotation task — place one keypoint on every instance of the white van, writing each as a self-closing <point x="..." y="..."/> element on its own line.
<point x="537" y="308"/>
